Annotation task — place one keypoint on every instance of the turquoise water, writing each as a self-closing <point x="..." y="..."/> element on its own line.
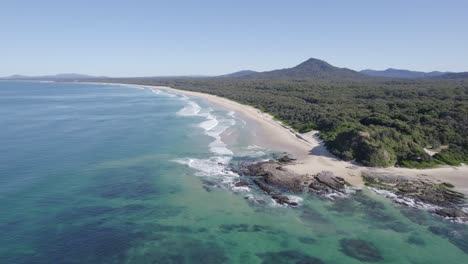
<point x="112" y="174"/>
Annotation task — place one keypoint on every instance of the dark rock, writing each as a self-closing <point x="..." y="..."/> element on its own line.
<point x="185" y="250"/>
<point x="87" y="243"/>
<point x="286" y="159"/>
<point x="241" y="184"/>
<point x="266" y="229"/>
<point x="229" y="228"/>
<point x="422" y="192"/>
<point x="326" y="182"/>
<point x="416" y="216"/>
<point x="416" y="240"/>
<point x="313" y="216"/>
<point x="379" y="216"/>
<point x="439" y="230"/>
<point x="452" y="212"/>
<point x="447" y="185"/>
<point x="288" y="257"/>
<point x="457" y="235"/>
<point x="398" y="227"/>
<point x="327" y="178"/>
<point x="343" y="206"/>
<point x="368" y="203"/>
<point x="361" y="250"/>
<point x="263" y="186"/>
<point x="234" y="228"/>
<point x="272" y="173"/>
<point x="431" y="193"/>
<point x="130" y="183"/>
<point x="307" y="240"/>
<point x="281" y="199"/>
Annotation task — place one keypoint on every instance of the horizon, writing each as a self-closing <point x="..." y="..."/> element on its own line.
<point x="197" y="75"/>
<point x="185" y="39"/>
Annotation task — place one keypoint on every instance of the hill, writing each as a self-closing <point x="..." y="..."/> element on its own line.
<point x="238" y="74"/>
<point x="458" y="75"/>
<point x="398" y="73"/>
<point x="309" y="69"/>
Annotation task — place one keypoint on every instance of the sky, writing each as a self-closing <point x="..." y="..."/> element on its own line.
<point x="159" y="38"/>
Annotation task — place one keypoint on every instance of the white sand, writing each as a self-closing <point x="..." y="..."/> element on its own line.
<point x="312" y="156"/>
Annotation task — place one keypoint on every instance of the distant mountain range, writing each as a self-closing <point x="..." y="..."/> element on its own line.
<point x="457" y="75"/>
<point x="51" y="77"/>
<point x="309" y="69"/>
<point x="238" y="74"/>
<point x="319" y="69"/>
<point x="398" y="73"/>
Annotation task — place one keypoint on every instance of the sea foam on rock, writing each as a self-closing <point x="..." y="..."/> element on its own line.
<point x="438" y="198"/>
<point x="273" y="179"/>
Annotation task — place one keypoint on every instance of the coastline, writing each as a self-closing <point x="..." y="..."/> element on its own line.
<point x="310" y="152"/>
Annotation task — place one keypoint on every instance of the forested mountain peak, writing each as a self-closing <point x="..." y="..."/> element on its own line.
<point x="309" y="69"/>
<point x="316" y="64"/>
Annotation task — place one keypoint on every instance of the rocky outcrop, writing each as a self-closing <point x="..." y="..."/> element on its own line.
<point x="278" y="197"/>
<point x="452" y="212"/>
<point x="326" y="182"/>
<point x="273" y="173"/>
<point x="439" y="198"/>
<point x="273" y="178"/>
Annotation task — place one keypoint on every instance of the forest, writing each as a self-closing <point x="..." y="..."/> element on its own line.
<point x="376" y="122"/>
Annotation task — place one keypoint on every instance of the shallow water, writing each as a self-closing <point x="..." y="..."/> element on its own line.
<point x="111" y="174"/>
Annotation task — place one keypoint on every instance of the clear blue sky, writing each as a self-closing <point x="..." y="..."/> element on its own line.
<point x="149" y="38"/>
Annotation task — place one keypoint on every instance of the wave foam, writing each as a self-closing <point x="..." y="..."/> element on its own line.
<point x="405" y="200"/>
<point x="192" y="109"/>
<point x="214" y="166"/>
<point x="213" y="126"/>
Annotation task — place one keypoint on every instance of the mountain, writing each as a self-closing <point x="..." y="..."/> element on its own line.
<point x="51" y="77"/>
<point x="309" y="69"/>
<point x="238" y="74"/>
<point x="457" y="75"/>
<point x="15" y="77"/>
<point x="398" y="73"/>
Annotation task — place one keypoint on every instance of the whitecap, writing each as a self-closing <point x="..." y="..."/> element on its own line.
<point x="213" y="126"/>
<point x="159" y="92"/>
<point x="296" y="199"/>
<point x="192" y="109"/>
<point x="214" y="166"/>
<point x="242" y="189"/>
<point x="210" y="123"/>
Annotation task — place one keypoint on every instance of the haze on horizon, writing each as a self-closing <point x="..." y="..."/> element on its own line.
<point x="148" y="38"/>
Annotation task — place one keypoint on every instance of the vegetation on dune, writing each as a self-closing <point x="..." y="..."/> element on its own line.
<point x="377" y="122"/>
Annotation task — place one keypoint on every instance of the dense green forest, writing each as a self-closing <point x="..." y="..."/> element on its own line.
<point x="377" y="122"/>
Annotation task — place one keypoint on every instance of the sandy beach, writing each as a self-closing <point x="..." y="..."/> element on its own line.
<point x="310" y="152"/>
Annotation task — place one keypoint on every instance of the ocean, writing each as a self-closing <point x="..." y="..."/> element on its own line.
<point x="93" y="173"/>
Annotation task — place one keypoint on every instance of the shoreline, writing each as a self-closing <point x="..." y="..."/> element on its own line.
<point x="310" y="152"/>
